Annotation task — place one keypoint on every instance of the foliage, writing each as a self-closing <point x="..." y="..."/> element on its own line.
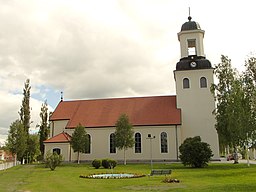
<point x="25" y="114"/>
<point x="194" y="152"/>
<point x="17" y="139"/>
<point x="79" y="141"/>
<point x="236" y="109"/>
<point x="25" y="107"/>
<point x="108" y="163"/>
<point x="124" y="134"/>
<point x="44" y="127"/>
<point x="53" y="160"/>
<point x="33" y="148"/>
<point x="249" y="80"/>
<point x="96" y="163"/>
<point x="105" y="163"/>
<point x="112" y="163"/>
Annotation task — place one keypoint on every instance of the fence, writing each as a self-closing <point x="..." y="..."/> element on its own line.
<point x="7" y="165"/>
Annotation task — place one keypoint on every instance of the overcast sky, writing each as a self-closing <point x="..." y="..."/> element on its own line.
<point x="108" y="48"/>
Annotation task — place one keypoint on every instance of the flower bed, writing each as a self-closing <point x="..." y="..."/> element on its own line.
<point x="112" y="176"/>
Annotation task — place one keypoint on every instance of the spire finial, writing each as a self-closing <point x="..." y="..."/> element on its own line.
<point x="61" y="96"/>
<point x="189" y="17"/>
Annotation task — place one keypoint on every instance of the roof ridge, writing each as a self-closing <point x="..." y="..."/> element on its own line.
<point x="114" y="98"/>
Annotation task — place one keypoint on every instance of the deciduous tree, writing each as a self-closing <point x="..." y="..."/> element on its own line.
<point x="79" y="141"/>
<point x="124" y="134"/>
<point x="17" y="140"/>
<point x="234" y="93"/>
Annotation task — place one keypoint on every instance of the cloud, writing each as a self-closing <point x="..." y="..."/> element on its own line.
<point x="97" y="49"/>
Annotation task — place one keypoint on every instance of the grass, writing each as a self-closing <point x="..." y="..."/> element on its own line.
<point x="215" y="177"/>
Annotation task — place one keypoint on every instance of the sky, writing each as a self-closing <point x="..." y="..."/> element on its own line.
<point x="108" y="48"/>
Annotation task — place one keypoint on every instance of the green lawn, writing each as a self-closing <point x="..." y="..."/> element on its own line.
<point x="215" y="177"/>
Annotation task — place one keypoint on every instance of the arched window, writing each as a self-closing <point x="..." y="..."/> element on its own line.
<point x="112" y="146"/>
<point x="56" y="150"/>
<point x="88" y="147"/>
<point x="185" y="83"/>
<point x="203" y="82"/>
<point x="164" y="145"/>
<point x="137" y="143"/>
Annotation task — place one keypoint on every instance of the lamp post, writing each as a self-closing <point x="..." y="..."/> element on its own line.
<point x="150" y="139"/>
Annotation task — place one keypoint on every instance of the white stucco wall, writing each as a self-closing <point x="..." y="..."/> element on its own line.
<point x="64" y="147"/>
<point x="57" y="127"/>
<point x="100" y="144"/>
<point x="197" y="105"/>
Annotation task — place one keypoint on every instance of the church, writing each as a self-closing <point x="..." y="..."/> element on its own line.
<point x="160" y="123"/>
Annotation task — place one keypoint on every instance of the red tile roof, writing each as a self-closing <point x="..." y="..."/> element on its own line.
<point x="60" y="138"/>
<point x="157" y="110"/>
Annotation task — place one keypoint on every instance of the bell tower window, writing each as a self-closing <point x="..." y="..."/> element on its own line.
<point x="191" y="47"/>
<point x="203" y="82"/>
<point x="185" y="83"/>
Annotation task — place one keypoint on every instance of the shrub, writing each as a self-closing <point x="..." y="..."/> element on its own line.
<point x="105" y="163"/>
<point x="109" y="163"/>
<point x="194" y="152"/>
<point x="112" y="163"/>
<point x="52" y="160"/>
<point x="96" y="163"/>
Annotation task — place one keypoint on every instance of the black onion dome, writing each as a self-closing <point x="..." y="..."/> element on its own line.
<point x="201" y="63"/>
<point x="190" y="25"/>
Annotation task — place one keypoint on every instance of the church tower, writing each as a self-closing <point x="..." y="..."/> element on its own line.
<point x="193" y="77"/>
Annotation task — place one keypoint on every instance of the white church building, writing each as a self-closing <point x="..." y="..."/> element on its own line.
<point x="161" y="123"/>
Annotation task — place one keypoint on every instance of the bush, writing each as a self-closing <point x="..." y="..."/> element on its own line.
<point x="105" y="163"/>
<point x="96" y="163"/>
<point x="108" y="163"/>
<point x="195" y="153"/>
<point x="52" y="160"/>
<point x="112" y="163"/>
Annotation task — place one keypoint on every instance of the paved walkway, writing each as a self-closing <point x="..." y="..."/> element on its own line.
<point x="223" y="160"/>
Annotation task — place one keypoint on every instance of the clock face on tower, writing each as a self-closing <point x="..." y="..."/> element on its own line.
<point x="193" y="64"/>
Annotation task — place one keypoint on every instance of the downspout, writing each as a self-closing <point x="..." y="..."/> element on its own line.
<point x="69" y="152"/>
<point x="177" y="151"/>
<point x="52" y="128"/>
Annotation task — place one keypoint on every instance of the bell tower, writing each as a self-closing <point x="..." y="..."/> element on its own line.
<point x="193" y="78"/>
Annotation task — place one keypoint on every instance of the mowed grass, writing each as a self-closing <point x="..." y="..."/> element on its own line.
<point x="215" y="177"/>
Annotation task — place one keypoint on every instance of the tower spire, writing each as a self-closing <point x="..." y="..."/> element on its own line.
<point x="189" y="16"/>
<point x="61" y="96"/>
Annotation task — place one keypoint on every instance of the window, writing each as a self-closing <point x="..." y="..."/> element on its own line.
<point x="57" y="150"/>
<point x="164" y="146"/>
<point x="112" y="143"/>
<point x="191" y="47"/>
<point x="185" y="83"/>
<point x="203" y="82"/>
<point x="137" y="143"/>
<point x="88" y="147"/>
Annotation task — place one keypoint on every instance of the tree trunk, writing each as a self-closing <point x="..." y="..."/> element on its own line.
<point x="235" y="156"/>
<point x="124" y="157"/>
<point x="78" y="158"/>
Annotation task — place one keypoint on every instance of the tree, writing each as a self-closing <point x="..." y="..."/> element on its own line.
<point x="195" y="153"/>
<point x="33" y="148"/>
<point x="44" y="127"/>
<point x="124" y="134"/>
<point x="234" y="115"/>
<point x="79" y="141"/>
<point x="25" y="107"/>
<point x="25" y="112"/>
<point x="17" y="140"/>
<point x="52" y="160"/>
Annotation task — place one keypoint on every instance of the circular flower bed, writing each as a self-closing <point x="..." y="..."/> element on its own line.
<point x="112" y="176"/>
